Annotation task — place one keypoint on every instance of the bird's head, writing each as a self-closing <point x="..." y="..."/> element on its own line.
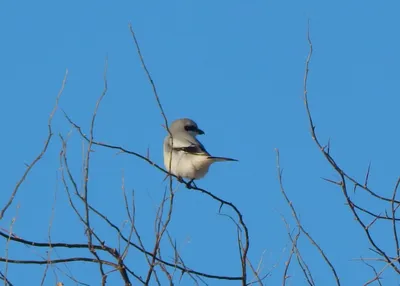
<point x="186" y="124"/>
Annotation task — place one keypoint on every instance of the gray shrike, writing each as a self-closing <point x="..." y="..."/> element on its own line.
<point x="189" y="157"/>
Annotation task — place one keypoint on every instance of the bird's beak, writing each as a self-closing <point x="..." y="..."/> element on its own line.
<point x="200" y="132"/>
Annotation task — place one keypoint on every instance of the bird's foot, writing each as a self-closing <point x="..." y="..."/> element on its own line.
<point x="191" y="184"/>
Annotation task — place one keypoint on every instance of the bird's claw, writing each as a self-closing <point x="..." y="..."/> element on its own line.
<point x="191" y="184"/>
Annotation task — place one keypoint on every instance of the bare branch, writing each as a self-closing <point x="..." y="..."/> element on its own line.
<point x="55" y="261"/>
<point x="341" y="173"/>
<point x="37" y="159"/>
<point x="367" y="175"/>
<point x="292" y="251"/>
<point x="396" y="239"/>
<point x="149" y="76"/>
<point x="299" y="225"/>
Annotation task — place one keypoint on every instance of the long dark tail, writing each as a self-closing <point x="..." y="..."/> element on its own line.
<point x="222" y="159"/>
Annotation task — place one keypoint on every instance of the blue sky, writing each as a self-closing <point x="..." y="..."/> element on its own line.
<point x="236" y="68"/>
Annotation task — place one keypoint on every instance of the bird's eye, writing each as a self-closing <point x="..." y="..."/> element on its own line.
<point x="190" y="128"/>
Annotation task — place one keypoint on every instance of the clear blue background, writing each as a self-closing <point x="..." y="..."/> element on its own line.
<point x="236" y="68"/>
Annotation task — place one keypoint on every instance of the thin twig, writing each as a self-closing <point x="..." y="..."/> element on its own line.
<point x="299" y="225"/>
<point x="396" y="239"/>
<point x="221" y="201"/>
<point x="341" y="173"/>
<point x="86" y="174"/>
<point x="292" y="251"/>
<point x="148" y="76"/>
<point x="8" y="243"/>
<point x="46" y="144"/>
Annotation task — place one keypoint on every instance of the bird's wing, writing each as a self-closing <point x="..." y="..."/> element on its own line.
<point x="189" y="144"/>
<point x="192" y="149"/>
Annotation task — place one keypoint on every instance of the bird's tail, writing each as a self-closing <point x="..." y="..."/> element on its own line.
<point x="221" y="159"/>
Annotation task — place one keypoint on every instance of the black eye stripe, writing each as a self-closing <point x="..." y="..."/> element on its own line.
<point x="190" y="128"/>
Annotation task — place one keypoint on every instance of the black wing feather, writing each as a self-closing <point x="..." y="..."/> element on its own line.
<point x="193" y="149"/>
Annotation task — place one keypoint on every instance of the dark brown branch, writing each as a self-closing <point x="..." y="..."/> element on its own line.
<point x="55" y="261"/>
<point x="101" y="247"/>
<point x="341" y="173"/>
<point x="131" y="218"/>
<point x="304" y="267"/>
<point x="160" y="230"/>
<point x="221" y="201"/>
<point x="396" y="239"/>
<point x="6" y="281"/>
<point x="41" y="154"/>
<point x="146" y="158"/>
<point x="64" y="165"/>
<point x="292" y="251"/>
<point x="367" y="175"/>
<point x="386" y="217"/>
<point x="241" y="223"/>
<point x="87" y="158"/>
<point x="178" y="259"/>
<point x="121" y="149"/>
<point x="377" y="275"/>
<point x="299" y="225"/>
<point x="148" y="76"/>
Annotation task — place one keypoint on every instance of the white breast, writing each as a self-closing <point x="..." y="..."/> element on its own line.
<point x="186" y="165"/>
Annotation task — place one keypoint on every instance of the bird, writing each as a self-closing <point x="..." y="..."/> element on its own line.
<point x="190" y="159"/>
